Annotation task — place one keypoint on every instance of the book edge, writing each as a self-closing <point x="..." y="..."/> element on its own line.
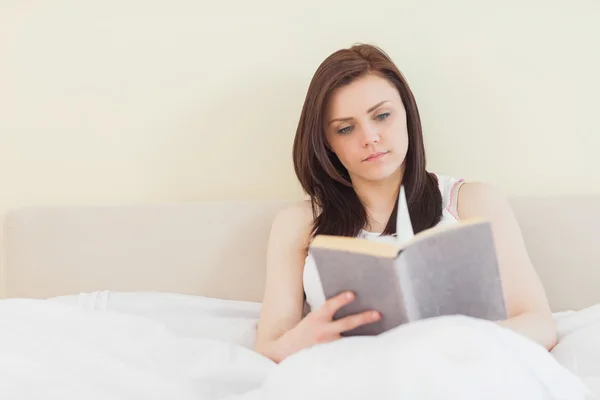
<point x="386" y="250"/>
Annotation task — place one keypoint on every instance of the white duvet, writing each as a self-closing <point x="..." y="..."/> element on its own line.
<point x="159" y="346"/>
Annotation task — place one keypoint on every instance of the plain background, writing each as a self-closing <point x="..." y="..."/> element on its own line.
<point x="127" y="101"/>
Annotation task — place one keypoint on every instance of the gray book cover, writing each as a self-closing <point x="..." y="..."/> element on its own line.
<point x="453" y="271"/>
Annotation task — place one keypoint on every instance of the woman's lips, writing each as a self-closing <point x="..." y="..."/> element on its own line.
<point x="376" y="156"/>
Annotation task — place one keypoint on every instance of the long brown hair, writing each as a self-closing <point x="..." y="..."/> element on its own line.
<point x="337" y="210"/>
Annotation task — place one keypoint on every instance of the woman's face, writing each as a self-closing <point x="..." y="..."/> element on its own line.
<point x="365" y="126"/>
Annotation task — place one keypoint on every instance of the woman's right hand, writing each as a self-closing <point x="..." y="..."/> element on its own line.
<point x="319" y="327"/>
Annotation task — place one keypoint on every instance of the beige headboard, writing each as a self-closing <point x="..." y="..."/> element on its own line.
<point x="218" y="249"/>
<point x="214" y="249"/>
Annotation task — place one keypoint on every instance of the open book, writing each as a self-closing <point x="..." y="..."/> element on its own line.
<point x="444" y="270"/>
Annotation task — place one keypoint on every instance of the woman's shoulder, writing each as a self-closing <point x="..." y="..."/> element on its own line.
<point x="465" y="198"/>
<point x="468" y="188"/>
<point x="295" y="221"/>
<point x="481" y="199"/>
<point x="297" y="211"/>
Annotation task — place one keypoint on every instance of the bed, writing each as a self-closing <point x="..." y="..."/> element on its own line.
<point x="162" y="301"/>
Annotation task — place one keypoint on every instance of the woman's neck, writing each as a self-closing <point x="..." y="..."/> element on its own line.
<point x="379" y="199"/>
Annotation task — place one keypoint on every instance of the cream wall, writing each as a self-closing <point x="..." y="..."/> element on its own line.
<point x="146" y="101"/>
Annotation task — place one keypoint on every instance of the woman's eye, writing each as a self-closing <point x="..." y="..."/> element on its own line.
<point x="345" y="130"/>
<point x="383" y="116"/>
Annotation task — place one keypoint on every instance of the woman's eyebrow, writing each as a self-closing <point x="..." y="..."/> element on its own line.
<point x="350" y="118"/>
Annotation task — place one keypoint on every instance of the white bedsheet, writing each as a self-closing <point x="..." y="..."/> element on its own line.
<point x="182" y="315"/>
<point x="579" y="345"/>
<point x="52" y="350"/>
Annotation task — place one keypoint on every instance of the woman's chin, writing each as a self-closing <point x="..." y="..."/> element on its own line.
<point x="381" y="175"/>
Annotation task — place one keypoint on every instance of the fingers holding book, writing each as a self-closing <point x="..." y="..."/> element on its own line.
<point x="354" y="321"/>
<point x="320" y="327"/>
<point x="330" y="329"/>
<point x="332" y="305"/>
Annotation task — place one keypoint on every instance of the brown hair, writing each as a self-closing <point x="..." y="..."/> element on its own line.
<point x="322" y="175"/>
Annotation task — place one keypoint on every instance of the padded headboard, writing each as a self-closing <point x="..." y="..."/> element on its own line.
<point x="215" y="249"/>
<point x="218" y="249"/>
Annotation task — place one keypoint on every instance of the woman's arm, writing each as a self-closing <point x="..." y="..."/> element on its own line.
<point x="526" y="301"/>
<point x="282" y="329"/>
<point x="283" y="300"/>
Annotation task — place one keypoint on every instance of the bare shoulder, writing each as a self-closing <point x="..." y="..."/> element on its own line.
<point x="480" y="199"/>
<point x="294" y="221"/>
<point x="299" y="211"/>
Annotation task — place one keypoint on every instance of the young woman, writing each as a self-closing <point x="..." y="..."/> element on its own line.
<point x="359" y="137"/>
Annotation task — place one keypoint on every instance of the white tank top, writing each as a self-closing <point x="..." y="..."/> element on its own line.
<point x="312" y="285"/>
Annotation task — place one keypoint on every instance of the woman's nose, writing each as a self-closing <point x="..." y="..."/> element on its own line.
<point x="370" y="135"/>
